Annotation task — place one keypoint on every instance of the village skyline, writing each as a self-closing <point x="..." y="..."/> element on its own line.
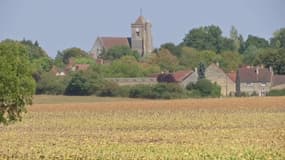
<point x="65" y="24"/>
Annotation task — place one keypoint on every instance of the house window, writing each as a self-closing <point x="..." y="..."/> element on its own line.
<point x="249" y="84"/>
<point x="137" y="32"/>
<point x="262" y="84"/>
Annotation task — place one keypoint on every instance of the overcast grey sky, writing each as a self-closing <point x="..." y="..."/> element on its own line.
<point x="61" y="24"/>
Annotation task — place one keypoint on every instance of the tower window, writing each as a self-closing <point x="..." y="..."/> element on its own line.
<point x="137" y="32"/>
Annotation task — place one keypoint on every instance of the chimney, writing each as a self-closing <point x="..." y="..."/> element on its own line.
<point x="270" y="69"/>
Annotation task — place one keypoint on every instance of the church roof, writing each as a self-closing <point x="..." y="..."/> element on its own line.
<point x="110" y="42"/>
<point x="140" y="20"/>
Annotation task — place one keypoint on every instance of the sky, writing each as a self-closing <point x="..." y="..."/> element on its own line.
<point x="61" y="24"/>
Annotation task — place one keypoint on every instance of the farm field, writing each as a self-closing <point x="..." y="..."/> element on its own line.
<point x="106" y="128"/>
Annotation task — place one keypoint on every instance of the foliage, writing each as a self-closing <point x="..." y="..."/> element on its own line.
<point x="126" y="66"/>
<point x="274" y="58"/>
<point x="172" y="48"/>
<point x="249" y="56"/>
<point x="256" y="41"/>
<point x="84" y="83"/>
<point x="191" y="58"/>
<point x="205" y="88"/>
<point x="165" y="60"/>
<point x="65" y="55"/>
<point x="277" y="92"/>
<point x="208" y="38"/>
<point x="158" y="91"/>
<point x="51" y="84"/>
<point x="278" y="40"/>
<point x="16" y="83"/>
<point x="108" y="89"/>
<point x="84" y="60"/>
<point x="230" y="61"/>
<point x="119" y="51"/>
<point x="33" y="49"/>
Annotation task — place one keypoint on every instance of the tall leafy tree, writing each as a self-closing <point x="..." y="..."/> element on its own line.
<point x="173" y="49"/>
<point x="278" y="40"/>
<point x="256" y="41"/>
<point x="165" y="60"/>
<point x="16" y="82"/>
<point x="274" y="58"/>
<point x="69" y="53"/>
<point x="204" y="38"/>
<point x="235" y="37"/>
<point x="208" y="38"/>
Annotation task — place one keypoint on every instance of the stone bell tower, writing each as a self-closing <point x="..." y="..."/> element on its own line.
<point x="141" y="36"/>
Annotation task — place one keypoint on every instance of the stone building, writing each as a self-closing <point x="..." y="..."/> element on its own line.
<point x="254" y="80"/>
<point x="140" y="40"/>
<point x="225" y="80"/>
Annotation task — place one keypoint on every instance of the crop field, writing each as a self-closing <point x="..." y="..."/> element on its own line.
<point x="78" y="128"/>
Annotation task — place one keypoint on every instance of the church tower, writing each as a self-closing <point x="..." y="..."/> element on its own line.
<point x="141" y="36"/>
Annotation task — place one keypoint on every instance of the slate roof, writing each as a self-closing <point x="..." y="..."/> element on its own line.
<point x="254" y="75"/>
<point x="278" y="80"/>
<point x="110" y="42"/>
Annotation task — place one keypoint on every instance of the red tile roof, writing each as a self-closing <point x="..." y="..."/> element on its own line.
<point x="278" y="79"/>
<point x="254" y="75"/>
<point x="233" y="76"/>
<point x="178" y="76"/>
<point x="109" y="42"/>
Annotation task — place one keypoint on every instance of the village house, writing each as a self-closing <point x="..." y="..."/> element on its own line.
<point x="140" y="40"/>
<point x="254" y="80"/>
<point x="227" y="81"/>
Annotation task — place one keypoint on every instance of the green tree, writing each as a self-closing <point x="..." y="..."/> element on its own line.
<point x="33" y="49"/>
<point x="256" y="41"/>
<point x="119" y="51"/>
<point x="250" y="54"/>
<point x="85" y="83"/>
<point x="172" y="48"/>
<point x="205" y="38"/>
<point x="235" y="37"/>
<point x="278" y="40"/>
<point x="205" y="88"/>
<point x="51" y="84"/>
<point x="69" y="53"/>
<point x="165" y="60"/>
<point x="230" y="61"/>
<point x="126" y="66"/>
<point x="274" y="58"/>
<point x="16" y="83"/>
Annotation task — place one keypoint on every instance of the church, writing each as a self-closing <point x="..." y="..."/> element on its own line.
<point x="140" y="40"/>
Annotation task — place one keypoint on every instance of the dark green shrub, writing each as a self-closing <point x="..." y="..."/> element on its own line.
<point x="204" y="88"/>
<point x="108" y="89"/>
<point x="277" y="93"/>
